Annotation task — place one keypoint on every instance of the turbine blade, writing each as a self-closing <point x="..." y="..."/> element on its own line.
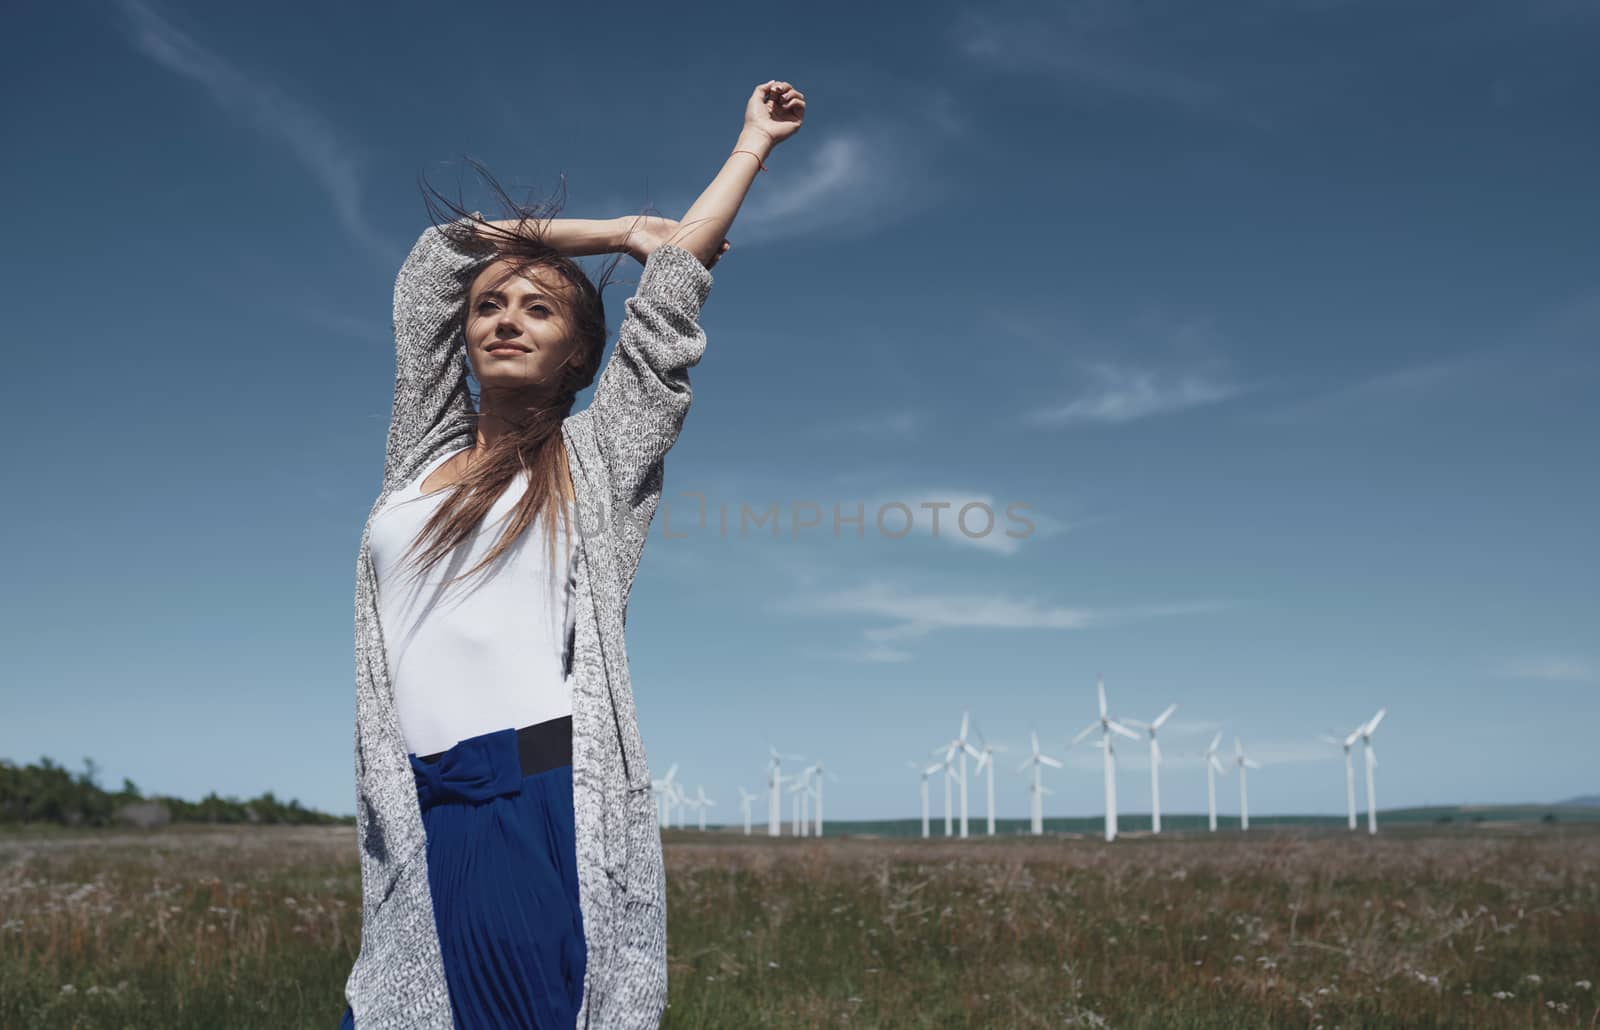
<point x="1085" y="732"/>
<point x="1164" y="716"/>
<point x="1375" y="720"/>
<point x="1252" y="763"/>
<point x="1117" y="727"/>
<point x="1216" y="742"/>
<point x="1101" y="688"/>
<point x="1035" y="737"/>
<point x="1047" y="760"/>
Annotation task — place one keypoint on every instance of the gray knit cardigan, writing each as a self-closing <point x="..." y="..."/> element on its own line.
<point x="615" y="448"/>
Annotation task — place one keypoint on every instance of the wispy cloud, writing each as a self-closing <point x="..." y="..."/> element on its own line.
<point x="912" y="614"/>
<point x="1123" y="393"/>
<point x="1549" y="670"/>
<point x="307" y="136"/>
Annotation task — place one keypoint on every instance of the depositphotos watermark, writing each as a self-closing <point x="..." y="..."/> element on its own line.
<point x="974" y="520"/>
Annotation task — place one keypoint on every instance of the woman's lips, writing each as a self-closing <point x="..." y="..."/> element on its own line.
<point x="507" y="348"/>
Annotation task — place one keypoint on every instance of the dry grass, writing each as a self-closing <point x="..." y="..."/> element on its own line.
<point x="256" y="927"/>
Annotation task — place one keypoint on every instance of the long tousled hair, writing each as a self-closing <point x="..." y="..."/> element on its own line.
<point x="535" y="445"/>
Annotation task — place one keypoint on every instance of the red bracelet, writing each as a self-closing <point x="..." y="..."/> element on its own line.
<point x="755" y="155"/>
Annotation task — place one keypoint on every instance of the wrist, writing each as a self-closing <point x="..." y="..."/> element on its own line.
<point x="755" y="139"/>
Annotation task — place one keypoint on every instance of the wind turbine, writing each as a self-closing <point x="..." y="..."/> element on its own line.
<point x="1244" y="798"/>
<point x="678" y="800"/>
<point x="926" y="772"/>
<point x="1155" y="765"/>
<point x="1213" y="767"/>
<point x="820" y="774"/>
<point x="960" y="746"/>
<point x="745" y="798"/>
<point x="1372" y="763"/>
<point x="1349" y="769"/>
<point x="663" y="791"/>
<point x="775" y="778"/>
<point x="801" y="790"/>
<point x="701" y="802"/>
<point x="1107" y="726"/>
<point x="949" y="774"/>
<point x="1037" y="789"/>
<point x="986" y="763"/>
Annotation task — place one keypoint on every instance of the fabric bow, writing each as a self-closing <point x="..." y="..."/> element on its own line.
<point x="475" y="769"/>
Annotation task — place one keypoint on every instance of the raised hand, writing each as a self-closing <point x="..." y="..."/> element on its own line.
<point x="776" y="109"/>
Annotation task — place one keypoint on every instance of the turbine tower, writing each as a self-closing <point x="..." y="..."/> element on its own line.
<point x="1213" y="767"/>
<point x="821" y="773"/>
<point x="801" y="790"/>
<point x="775" y="778"/>
<point x="960" y="746"/>
<point x="1372" y="763"/>
<point x="986" y="763"/>
<point x="926" y="771"/>
<point x="701" y="803"/>
<point x="678" y="800"/>
<point x="1155" y="765"/>
<point x="662" y="789"/>
<point x="745" y="798"/>
<point x="1037" y="789"/>
<point x="1244" y="798"/>
<point x="948" y="765"/>
<point x="1107" y="726"/>
<point x="1349" y="769"/>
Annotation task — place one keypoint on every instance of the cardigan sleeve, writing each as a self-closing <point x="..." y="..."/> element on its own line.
<point x="430" y="380"/>
<point x="642" y="396"/>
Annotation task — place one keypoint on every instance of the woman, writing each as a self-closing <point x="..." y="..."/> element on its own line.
<point x="510" y="858"/>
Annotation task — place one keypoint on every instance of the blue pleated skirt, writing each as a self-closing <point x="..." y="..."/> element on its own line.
<point x="503" y="874"/>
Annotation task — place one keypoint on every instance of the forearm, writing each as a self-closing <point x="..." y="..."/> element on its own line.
<point x="705" y="225"/>
<point x="577" y="237"/>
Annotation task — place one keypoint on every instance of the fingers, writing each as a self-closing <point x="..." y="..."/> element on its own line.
<point x="783" y="92"/>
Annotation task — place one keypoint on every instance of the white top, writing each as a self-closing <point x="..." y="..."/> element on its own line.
<point x="492" y="650"/>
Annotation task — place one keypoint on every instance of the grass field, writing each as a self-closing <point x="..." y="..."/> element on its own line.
<point x="256" y="927"/>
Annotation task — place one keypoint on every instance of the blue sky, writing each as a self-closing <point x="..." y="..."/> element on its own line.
<point x="1281" y="319"/>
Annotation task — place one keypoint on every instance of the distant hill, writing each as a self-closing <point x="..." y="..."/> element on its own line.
<point x="1583" y="801"/>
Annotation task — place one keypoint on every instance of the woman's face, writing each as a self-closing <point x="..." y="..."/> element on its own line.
<point x="517" y="332"/>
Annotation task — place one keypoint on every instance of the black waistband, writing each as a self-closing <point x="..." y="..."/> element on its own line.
<point x="542" y="746"/>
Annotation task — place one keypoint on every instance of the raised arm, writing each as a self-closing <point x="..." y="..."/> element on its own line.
<point x="430" y="377"/>
<point x="643" y="393"/>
